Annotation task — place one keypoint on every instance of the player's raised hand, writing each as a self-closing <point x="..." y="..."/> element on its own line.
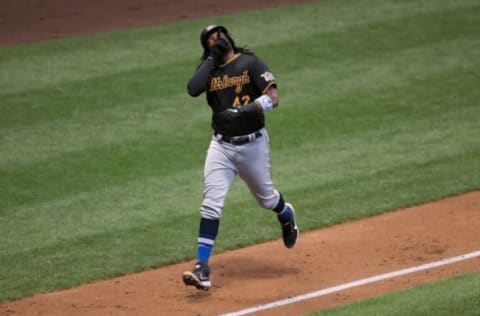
<point x="219" y="50"/>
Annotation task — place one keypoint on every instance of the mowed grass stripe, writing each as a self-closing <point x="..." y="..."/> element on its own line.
<point x="89" y="170"/>
<point x="384" y="72"/>
<point x="454" y="296"/>
<point x="45" y="65"/>
<point x="373" y="41"/>
<point x="84" y="130"/>
<point x="133" y="203"/>
<point x="66" y="100"/>
<point x="410" y="184"/>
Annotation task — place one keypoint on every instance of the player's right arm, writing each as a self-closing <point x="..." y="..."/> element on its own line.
<point x="199" y="81"/>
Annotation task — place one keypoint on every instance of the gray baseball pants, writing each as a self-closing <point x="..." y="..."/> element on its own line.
<point x="251" y="161"/>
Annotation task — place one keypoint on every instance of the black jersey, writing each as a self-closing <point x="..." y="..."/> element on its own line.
<point x="238" y="82"/>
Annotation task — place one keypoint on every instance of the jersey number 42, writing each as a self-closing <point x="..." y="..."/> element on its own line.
<point x="245" y="99"/>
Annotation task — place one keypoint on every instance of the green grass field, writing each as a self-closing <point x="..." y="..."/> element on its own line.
<point x="455" y="296"/>
<point x="102" y="150"/>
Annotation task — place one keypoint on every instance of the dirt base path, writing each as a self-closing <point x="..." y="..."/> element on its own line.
<point x="269" y="272"/>
<point x="24" y="21"/>
<point x="264" y="273"/>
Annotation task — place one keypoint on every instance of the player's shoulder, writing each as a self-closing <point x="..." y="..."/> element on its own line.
<point x="247" y="56"/>
<point x="251" y="60"/>
<point x="244" y="58"/>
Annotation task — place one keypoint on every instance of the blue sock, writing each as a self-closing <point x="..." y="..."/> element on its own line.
<point x="283" y="212"/>
<point x="206" y="238"/>
<point x="284" y="216"/>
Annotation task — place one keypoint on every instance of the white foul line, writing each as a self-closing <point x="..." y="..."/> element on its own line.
<point x="349" y="285"/>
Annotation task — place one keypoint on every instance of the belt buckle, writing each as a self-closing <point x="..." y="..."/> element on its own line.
<point x="238" y="140"/>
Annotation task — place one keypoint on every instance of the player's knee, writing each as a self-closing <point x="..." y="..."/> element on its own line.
<point x="211" y="212"/>
<point x="269" y="204"/>
<point x="270" y="201"/>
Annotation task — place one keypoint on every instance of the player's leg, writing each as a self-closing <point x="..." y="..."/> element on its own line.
<point x="219" y="173"/>
<point x="254" y="167"/>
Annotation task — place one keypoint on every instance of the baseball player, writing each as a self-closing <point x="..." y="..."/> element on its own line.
<point x="240" y="89"/>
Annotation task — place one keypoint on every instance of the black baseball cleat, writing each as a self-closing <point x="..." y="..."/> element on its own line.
<point x="200" y="277"/>
<point x="290" y="229"/>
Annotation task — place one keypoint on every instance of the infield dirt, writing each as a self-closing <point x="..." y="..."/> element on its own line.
<point x="263" y="273"/>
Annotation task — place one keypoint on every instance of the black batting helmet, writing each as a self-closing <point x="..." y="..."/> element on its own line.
<point x="206" y="32"/>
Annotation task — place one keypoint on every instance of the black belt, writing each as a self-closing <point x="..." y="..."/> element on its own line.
<point x="239" y="140"/>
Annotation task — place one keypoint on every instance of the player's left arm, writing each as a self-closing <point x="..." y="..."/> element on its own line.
<point x="265" y="82"/>
<point x="269" y="98"/>
<point x="273" y="95"/>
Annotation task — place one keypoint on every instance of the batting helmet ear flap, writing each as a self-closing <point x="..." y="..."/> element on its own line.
<point x="206" y="32"/>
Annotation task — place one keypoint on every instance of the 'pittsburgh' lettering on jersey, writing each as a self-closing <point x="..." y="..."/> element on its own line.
<point x="220" y="83"/>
